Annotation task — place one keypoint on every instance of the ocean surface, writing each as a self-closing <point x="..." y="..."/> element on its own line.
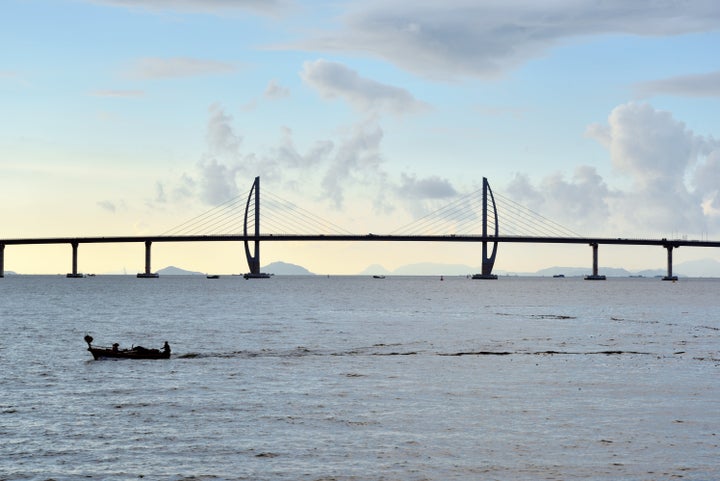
<point x="354" y="378"/>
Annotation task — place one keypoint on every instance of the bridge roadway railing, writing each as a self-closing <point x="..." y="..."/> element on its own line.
<point x="664" y="242"/>
<point x="669" y="244"/>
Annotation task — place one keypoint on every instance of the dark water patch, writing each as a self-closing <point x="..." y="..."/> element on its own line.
<point x="305" y="352"/>
<point x="375" y="350"/>
<point x="411" y="353"/>
<point x="267" y="455"/>
<point x="558" y="317"/>
<point x="709" y="358"/>
<point x="544" y="353"/>
<point x="477" y="353"/>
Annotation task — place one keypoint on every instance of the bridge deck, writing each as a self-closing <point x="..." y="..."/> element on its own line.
<point x="363" y="238"/>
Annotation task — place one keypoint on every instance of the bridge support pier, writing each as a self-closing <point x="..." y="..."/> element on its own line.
<point x="595" y="276"/>
<point x="669" y="276"/>
<point x="2" y="260"/>
<point x="74" y="273"/>
<point x="148" y="274"/>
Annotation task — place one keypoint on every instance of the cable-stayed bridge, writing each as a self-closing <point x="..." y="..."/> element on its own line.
<point x="479" y="217"/>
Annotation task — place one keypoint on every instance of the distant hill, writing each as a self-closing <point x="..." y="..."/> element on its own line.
<point x="285" y="269"/>
<point x="176" y="271"/>
<point x="582" y="271"/>
<point x="375" y="270"/>
<point x="696" y="268"/>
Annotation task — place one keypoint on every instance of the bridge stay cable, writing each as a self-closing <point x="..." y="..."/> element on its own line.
<point x="464" y="216"/>
<point x="281" y="215"/>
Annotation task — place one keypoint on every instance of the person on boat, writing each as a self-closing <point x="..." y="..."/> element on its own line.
<point x="115" y="347"/>
<point x="166" y="348"/>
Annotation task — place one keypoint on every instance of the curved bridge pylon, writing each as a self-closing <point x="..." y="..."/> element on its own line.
<point x="488" y="262"/>
<point x="253" y="259"/>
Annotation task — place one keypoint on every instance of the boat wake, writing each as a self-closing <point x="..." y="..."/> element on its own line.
<point x="381" y="350"/>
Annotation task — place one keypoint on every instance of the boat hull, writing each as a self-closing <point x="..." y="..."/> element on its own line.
<point x="135" y="353"/>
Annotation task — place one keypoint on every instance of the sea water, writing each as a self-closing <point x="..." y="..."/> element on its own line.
<point x="355" y="378"/>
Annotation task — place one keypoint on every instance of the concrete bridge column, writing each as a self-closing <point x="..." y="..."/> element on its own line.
<point x="148" y="274"/>
<point x="595" y="276"/>
<point x="74" y="272"/>
<point x="669" y="276"/>
<point x="2" y="260"/>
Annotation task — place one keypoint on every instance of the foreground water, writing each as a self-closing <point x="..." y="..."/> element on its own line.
<point x="353" y="378"/>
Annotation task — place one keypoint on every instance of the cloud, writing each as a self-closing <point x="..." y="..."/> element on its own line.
<point x="223" y="161"/>
<point x="203" y="6"/>
<point x="287" y="155"/>
<point x="160" y="197"/>
<point x="220" y="136"/>
<point x="580" y="201"/>
<point x="707" y="181"/>
<point x="673" y="176"/>
<point x="217" y="181"/>
<point x="332" y="80"/>
<point x="118" y="93"/>
<point x="276" y="91"/>
<point x="700" y="85"/>
<point x="352" y="161"/>
<point x="178" y="67"/>
<point x="432" y="187"/>
<point x="357" y="160"/>
<point x="649" y="145"/>
<point x="107" y="205"/>
<point x="467" y="38"/>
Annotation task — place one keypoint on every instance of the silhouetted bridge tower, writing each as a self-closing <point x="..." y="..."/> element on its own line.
<point x="457" y="222"/>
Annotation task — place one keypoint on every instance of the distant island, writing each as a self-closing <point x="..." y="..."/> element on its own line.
<point x="286" y="269"/>
<point x="694" y="268"/>
<point x="277" y="268"/>
<point x="176" y="271"/>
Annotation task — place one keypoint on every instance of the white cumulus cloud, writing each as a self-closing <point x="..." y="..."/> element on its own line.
<point x="673" y="176"/>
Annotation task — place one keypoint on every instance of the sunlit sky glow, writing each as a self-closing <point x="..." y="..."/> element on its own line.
<point x="128" y="117"/>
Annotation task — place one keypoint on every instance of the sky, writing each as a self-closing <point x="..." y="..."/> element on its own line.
<point x="129" y="117"/>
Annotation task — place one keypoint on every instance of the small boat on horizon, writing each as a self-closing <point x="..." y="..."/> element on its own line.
<point x="378" y="277"/>
<point x="258" y="275"/>
<point x="213" y="276"/>
<point x="135" y="352"/>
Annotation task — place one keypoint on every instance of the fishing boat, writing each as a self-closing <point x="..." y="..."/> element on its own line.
<point x="135" y="352"/>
